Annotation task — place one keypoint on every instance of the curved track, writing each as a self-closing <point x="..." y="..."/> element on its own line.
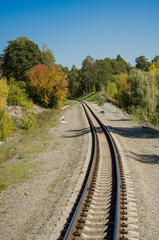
<point x="101" y="206"/>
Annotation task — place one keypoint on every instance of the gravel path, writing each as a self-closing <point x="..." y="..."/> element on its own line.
<point x="32" y="210"/>
<point x="141" y="148"/>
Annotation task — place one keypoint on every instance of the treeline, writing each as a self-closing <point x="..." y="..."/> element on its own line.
<point x="136" y="89"/>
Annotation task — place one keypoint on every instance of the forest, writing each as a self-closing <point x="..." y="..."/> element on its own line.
<point x="29" y="75"/>
<point x="135" y="89"/>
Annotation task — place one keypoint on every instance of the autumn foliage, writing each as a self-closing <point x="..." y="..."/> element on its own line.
<point x="3" y="92"/>
<point x="48" y="85"/>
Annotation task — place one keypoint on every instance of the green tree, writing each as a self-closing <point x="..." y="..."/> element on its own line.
<point x="48" y="57"/>
<point x="141" y="92"/>
<point x="119" y="65"/>
<point x="1" y="66"/>
<point x="104" y="73"/>
<point x="88" y="74"/>
<point x="142" y="63"/>
<point x="19" y="56"/>
<point x="156" y="59"/>
<point x="74" y="82"/>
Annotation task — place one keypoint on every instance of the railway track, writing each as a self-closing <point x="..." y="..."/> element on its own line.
<point x="100" y="210"/>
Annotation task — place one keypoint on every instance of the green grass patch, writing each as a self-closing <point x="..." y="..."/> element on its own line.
<point x="69" y="102"/>
<point x="23" y="156"/>
<point x="3" y="212"/>
<point x="71" y="164"/>
<point x="2" y="187"/>
<point x="15" y="172"/>
<point x="92" y="97"/>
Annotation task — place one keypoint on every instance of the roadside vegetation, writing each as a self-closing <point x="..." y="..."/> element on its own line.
<point x="134" y="89"/>
<point x="23" y="147"/>
<point x="92" y="97"/>
<point x="28" y="75"/>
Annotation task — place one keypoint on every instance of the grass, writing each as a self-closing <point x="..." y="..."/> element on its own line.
<point x="144" y="151"/>
<point x="15" y="172"/>
<point x="3" y="212"/>
<point x="23" y="145"/>
<point x="56" y="144"/>
<point x="92" y="97"/>
<point x="23" y="156"/>
<point x="71" y="164"/>
<point x="53" y="185"/>
<point x="34" y="140"/>
<point x="155" y="146"/>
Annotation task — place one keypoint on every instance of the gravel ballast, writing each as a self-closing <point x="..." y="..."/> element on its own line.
<point x="140" y="145"/>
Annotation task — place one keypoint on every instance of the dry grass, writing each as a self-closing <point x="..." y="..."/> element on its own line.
<point x="15" y="172"/>
<point x="34" y="140"/>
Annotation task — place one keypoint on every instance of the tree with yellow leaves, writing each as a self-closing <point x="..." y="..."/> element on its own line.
<point x="6" y="125"/>
<point x="48" y="86"/>
<point x="4" y="89"/>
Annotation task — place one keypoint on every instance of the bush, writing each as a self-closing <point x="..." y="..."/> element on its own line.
<point x="112" y="89"/>
<point x="3" y="92"/>
<point x="28" y="119"/>
<point x="138" y="112"/>
<point x="6" y="125"/>
<point x="154" y="119"/>
<point x="18" y="96"/>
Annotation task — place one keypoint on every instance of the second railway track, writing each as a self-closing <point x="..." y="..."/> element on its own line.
<point x="100" y="211"/>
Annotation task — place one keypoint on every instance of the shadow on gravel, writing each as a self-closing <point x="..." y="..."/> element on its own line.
<point x="135" y="132"/>
<point x="78" y="132"/>
<point x="132" y="132"/>
<point x="122" y="120"/>
<point x="145" y="158"/>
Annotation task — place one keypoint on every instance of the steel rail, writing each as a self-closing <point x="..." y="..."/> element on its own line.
<point x="87" y="177"/>
<point x="114" y="148"/>
<point x="118" y="187"/>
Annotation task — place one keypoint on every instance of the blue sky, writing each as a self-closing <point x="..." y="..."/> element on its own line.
<point x="73" y="29"/>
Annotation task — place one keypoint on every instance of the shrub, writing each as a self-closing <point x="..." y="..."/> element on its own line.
<point x="138" y="112"/>
<point x="17" y="96"/>
<point x="6" y="125"/>
<point x="154" y="119"/>
<point x="3" y="92"/>
<point x="28" y="119"/>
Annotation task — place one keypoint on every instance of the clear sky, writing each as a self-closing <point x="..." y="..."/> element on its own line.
<point x="73" y="29"/>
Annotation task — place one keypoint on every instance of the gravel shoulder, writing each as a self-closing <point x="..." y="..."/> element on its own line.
<point x="140" y="145"/>
<point x="32" y="209"/>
